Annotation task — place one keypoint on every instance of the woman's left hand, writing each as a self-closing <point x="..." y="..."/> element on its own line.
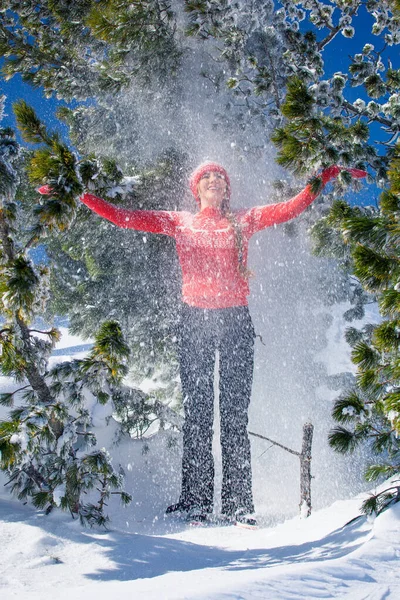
<point x="45" y="190"/>
<point x="333" y="171"/>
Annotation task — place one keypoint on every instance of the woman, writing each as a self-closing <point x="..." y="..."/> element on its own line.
<point x="212" y="247"/>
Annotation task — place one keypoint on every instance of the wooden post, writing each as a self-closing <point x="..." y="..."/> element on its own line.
<point x="305" y="465"/>
<point x="305" y="471"/>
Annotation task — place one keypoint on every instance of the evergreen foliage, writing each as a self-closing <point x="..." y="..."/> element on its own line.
<point x="370" y="412"/>
<point x="48" y="443"/>
<point x="61" y="467"/>
<point x="77" y="49"/>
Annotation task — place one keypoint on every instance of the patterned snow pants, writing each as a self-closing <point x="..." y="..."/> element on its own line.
<point x="202" y="332"/>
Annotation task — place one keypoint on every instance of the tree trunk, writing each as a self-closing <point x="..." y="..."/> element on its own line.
<point x="305" y="471"/>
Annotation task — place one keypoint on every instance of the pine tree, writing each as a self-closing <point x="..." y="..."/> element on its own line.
<point x="370" y="412"/>
<point x="45" y="444"/>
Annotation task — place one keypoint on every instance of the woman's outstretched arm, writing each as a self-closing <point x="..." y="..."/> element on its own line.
<point x="261" y="217"/>
<point x="149" y="221"/>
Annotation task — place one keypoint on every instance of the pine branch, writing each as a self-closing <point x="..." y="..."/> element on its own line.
<point x="377" y="503"/>
<point x="343" y="440"/>
<point x="335" y="30"/>
<point x="377" y="118"/>
<point x="7" y="399"/>
<point x="32" y="129"/>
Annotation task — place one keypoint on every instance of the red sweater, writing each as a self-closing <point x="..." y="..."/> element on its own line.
<point x="205" y="243"/>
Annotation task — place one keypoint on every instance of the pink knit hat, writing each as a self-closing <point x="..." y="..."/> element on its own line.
<point x="207" y="167"/>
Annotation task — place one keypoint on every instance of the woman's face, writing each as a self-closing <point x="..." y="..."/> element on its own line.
<point x="212" y="188"/>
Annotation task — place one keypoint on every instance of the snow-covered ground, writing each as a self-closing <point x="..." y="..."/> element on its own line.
<point x="43" y="557"/>
<point x="145" y="555"/>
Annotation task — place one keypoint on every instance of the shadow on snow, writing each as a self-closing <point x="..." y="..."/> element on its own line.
<point x="137" y="556"/>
